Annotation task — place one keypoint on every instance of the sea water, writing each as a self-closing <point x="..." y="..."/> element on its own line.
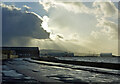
<point x="92" y="59"/>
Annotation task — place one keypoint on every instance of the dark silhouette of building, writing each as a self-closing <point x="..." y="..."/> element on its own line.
<point x="105" y="54"/>
<point x="21" y="51"/>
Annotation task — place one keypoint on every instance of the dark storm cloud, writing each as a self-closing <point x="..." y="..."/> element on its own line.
<point x="18" y="27"/>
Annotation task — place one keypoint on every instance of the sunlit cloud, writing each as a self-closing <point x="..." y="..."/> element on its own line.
<point x="45" y="23"/>
<point x="105" y="9"/>
<point x="27" y="7"/>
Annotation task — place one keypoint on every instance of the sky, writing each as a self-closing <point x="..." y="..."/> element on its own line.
<point x="78" y="27"/>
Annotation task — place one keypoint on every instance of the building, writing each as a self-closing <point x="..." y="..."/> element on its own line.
<point x="7" y="54"/>
<point x="21" y="51"/>
<point x="105" y="54"/>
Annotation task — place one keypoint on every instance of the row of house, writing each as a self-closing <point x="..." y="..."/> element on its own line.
<point x="16" y="52"/>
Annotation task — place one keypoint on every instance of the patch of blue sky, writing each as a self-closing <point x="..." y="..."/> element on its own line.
<point x="35" y="7"/>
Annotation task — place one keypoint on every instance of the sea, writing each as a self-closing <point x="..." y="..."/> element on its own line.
<point x="114" y="59"/>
